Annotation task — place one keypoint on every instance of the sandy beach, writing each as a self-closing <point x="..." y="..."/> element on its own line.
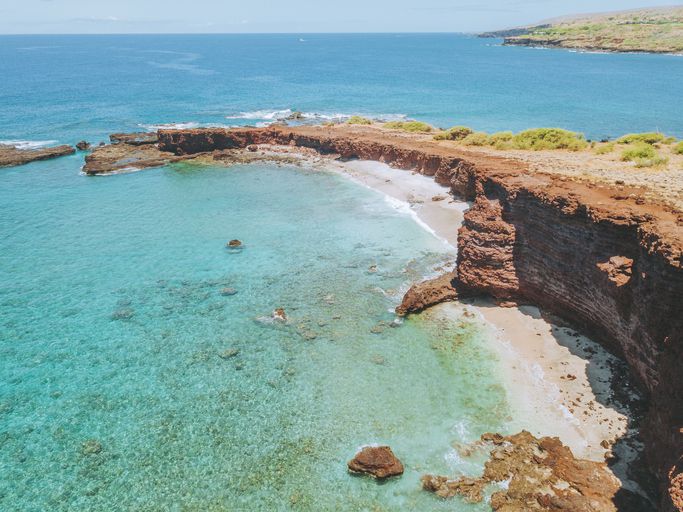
<point x="550" y="381"/>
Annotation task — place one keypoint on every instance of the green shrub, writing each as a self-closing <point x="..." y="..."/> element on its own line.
<point x="455" y="133"/>
<point x="647" y="138"/>
<point x="603" y="150"/>
<point x="409" y="126"/>
<point x="538" y="139"/>
<point x="476" y="139"/>
<point x="657" y="161"/>
<point x="358" y="120"/>
<point x="678" y="148"/>
<point x="643" y="155"/>
<point x="640" y="151"/>
<point x="501" y="140"/>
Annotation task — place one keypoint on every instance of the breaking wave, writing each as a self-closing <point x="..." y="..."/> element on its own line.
<point x="27" y="144"/>
<point x="271" y="116"/>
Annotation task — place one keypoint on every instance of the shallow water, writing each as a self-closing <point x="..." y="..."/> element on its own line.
<point x="113" y="391"/>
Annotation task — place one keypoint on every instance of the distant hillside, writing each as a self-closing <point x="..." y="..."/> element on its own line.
<point x="654" y="30"/>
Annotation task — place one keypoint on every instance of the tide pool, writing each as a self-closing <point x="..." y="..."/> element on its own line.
<point x="128" y="381"/>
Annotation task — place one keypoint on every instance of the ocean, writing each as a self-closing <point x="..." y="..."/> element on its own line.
<point x="132" y="379"/>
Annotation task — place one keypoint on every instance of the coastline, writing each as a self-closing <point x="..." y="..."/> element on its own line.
<point x="535" y="355"/>
<point x="529" y="237"/>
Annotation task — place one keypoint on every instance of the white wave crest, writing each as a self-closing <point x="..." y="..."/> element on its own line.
<point x="169" y="126"/>
<point x="272" y="116"/>
<point x="27" y="144"/>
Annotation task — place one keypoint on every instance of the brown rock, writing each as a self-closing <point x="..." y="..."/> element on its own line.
<point x="542" y="473"/>
<point x="10" y="155"/>
<point x="376" y="461"/>
<point x="122" y="156"/>
<point x="134" y="139"/>
<point x="83" y="145"/>
<point x="234" y="244"/>
<point x="428" y="293"/>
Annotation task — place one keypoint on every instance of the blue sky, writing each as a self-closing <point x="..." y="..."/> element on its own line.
<point x="171" y="16"/>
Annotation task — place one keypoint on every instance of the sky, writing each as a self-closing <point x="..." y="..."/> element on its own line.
<point x="298" y="16"/>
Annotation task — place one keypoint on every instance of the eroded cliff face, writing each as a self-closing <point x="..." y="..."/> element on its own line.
<point x="600" y="257"/>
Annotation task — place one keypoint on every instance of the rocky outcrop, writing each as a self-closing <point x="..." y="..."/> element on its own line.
<point x="376" y="461"/>
<point x="603" y="258"/>
<point x="10" y="155"/>
<point x="540" y="474"/>
<point x="134" y="139"/>
<point x="428" y="293"/>
<point x="122" y="157"/>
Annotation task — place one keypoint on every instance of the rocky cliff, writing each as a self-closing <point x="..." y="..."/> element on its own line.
<point x="601" y="257"/>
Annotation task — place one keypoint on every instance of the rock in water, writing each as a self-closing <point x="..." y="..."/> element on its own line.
<point x="428" y="293"/>
<point x="83" y="145"/>
<point x="234" y="244"/>
<point x="541" y="474"/>
<point x="10" y="155"/>
<point x="227" y="292"/>
<point x="376" y="461"/>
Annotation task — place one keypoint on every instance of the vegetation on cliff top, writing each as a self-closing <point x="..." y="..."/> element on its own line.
<point x="535" y="139"/>
<point x="643" y="155"/>
<point x="639" y="148"/>
<point x="455" y="133"/>
<point x="657" y="30"/>
<point x="358" y="120"/>
<point x="409" y="126"/>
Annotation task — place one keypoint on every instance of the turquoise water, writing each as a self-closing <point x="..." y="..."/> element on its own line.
<point x="117" y="389"/>
<point x="113" y="391"/>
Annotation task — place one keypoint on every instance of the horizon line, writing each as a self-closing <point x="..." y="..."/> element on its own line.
<point x="233" y="33"/>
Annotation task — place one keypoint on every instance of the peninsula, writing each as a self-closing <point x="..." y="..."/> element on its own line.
<point x="655" y="30"/>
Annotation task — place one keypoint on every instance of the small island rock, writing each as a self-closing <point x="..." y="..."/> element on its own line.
<point x="376" y="461"/>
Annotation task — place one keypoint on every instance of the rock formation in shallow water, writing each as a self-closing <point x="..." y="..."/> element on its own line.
<point x="423" y="295"/>
<point x="10" y="155"/>
<point x="376" y="461"/>
<point x="539" y="474"/>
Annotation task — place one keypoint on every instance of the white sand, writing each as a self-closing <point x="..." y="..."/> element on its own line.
<point x="552" y="387"/>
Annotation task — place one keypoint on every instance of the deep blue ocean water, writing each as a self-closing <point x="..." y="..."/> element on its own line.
<point x="71" y="87"/>
<point x="118" y="390"/>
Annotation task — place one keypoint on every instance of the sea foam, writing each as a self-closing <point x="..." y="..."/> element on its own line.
<point x="27" y="144"/>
